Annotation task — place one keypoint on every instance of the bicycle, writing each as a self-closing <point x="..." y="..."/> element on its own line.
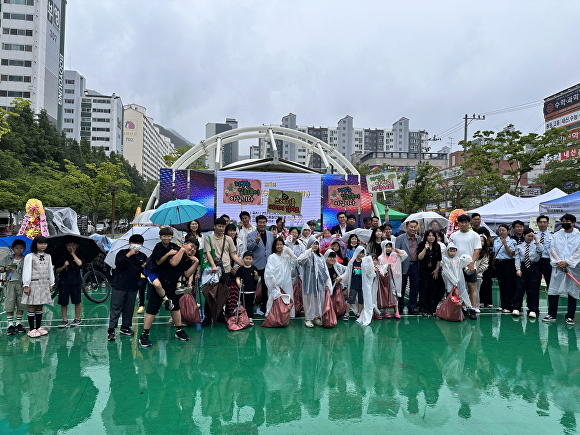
<point x="95" y="285"/>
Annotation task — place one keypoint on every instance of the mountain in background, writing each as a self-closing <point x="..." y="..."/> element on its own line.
<point x="178" y="140"/>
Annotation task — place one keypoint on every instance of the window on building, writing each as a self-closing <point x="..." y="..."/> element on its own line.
<point x="21" y="17"/>
<point x="16" y="47"/>
<point x="101" y="129"/>
<point x="16" y="62"/>
<point x="17" y="32"/>
<point x="69" y="91"/>
<point x="9" y="78"/>
<point x="68" y="121"/>
<point x="69" y="110"/>
<point x="69" y="82"/>
<point x="20" y="2"/>
<point x="15" y="94"/>
<point x="68" y="130"/>
<point x="67" y="101"/>
<point x="101" y="110"/>
<point x="101" y="101"/>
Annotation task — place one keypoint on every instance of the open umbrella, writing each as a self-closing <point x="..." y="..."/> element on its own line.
<point x="6" y="243"/>
<point x="87" y="246"/>
<point x="151" y="236"/>
<point x="427" y="220"/>
<point x="177" y="212"/>
<point x="144" y="218"/>
<point x="216" y="296"/>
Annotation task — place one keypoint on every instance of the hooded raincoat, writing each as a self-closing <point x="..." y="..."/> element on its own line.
<point x="315" y="277"/>
<point x="278" y="276"/>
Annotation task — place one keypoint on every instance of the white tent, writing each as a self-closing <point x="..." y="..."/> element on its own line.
<point x="566" y="204"/>
<point x="507" y="208"/>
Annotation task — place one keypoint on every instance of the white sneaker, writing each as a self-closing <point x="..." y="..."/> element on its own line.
<point x="515" y="313"/>
<point x="505" y="310"/>
<point x="532" y="314"/>
<point x="308" y="324"/>
<point x="477" y="310"/>
<point x="259" y="312"/>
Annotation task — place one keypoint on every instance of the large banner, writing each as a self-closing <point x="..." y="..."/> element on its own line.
<point x="285" y="202"/>
<point x="242" y="191"/>
<point x="344" y="197"/>
<point x="309" y="186"/>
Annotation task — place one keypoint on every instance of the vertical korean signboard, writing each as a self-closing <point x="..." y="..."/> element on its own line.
<point x="563" y="110"/>
<point x="54" y="61"/>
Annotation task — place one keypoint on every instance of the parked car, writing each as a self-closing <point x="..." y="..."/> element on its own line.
<point x="100" y="228"/>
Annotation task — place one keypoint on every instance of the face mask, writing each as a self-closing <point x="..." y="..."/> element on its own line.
<point x="135" y="247"/>
<point x="566" y="225"/>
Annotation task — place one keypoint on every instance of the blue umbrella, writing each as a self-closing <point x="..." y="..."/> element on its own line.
<point x="177" y="212"/>
<point x="6" y="242"/>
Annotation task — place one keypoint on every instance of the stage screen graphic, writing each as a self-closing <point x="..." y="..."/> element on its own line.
<point x="308" y="184"/>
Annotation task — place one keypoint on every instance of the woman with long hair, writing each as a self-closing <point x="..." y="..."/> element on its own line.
<point x="430" y="282"/>
<point x="374" y="245"/>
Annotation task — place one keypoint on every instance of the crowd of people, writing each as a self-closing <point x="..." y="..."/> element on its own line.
<point x="369" y="272"/>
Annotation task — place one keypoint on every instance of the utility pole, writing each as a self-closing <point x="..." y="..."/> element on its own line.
<point x="470" y="118"/>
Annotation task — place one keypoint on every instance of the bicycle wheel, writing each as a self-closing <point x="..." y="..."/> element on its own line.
<point x="96" y="287"/>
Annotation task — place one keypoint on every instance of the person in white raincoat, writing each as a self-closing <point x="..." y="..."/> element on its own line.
<point x="564" y="258"/>
<point x="278" y="273"/>
<point x="315" y="277"/>
<point x="360" y="272"/>
<point x="298" y="247"/>
<point x="390" y="261"/>
<point x="452" y="272"/>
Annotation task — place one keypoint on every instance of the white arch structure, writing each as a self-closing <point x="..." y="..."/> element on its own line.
<point x="331" y="157"/>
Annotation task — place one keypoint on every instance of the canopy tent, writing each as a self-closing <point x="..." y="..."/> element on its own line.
<point x="394" y="215"/>
<point x="557" y="207"/>
<point x="508" y="208"/>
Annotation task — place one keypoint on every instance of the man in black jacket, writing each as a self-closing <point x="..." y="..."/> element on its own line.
<point x="129" y="266"/>
<point x="342" y="226"/>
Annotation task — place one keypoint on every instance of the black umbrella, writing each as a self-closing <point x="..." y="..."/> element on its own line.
<point x="87" y="246"/>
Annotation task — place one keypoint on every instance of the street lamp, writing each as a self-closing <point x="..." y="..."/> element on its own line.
<point x="113" y="197"/>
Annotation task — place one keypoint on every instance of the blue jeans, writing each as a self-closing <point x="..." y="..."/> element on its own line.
<point x="413" y="275"/>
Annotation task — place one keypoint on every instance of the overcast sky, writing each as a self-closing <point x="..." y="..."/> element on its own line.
<point x="190" y="62"/>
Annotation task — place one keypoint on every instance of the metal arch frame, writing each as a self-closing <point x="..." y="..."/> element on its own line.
<point x="329" y="155"/>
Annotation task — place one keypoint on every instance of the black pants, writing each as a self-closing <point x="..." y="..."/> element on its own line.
<point x="553" y="306"/>
<point x="431" y="292"/>
<point x="412" y="275"/>
<point x="546" y="270"/>
<point x="528" y="284"/>
<point x="122" y="303"/>
<point x="506" y="277"/>
<point x="142" y="286"/>
<point x="264" y="291"/>
<point x="485" y="289"/>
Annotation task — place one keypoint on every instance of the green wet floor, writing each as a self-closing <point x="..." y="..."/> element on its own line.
<point x="496" y="375"/>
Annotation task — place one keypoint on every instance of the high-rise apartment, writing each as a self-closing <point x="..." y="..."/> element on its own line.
<point x="32" y="55"/>
<point x="102" y="121"/>
<point x="75" y="86"/>
<point x="144" y="146"/>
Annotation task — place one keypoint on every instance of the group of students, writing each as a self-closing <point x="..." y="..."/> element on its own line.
<point x="243" y="255"/>
<point x="29" y="283"/>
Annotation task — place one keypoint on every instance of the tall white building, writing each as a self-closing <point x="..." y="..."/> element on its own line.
<point x="74" y="89"/>
<point x="102" y="121"/>
<point x="32" y="55"/>
<point x="144" y="146"/>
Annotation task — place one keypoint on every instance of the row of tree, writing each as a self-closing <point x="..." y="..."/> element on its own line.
<point x="493" y="164"/>
<point x="38" y="161"/>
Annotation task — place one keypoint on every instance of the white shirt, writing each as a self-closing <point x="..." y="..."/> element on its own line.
<point x="466" y="242"/>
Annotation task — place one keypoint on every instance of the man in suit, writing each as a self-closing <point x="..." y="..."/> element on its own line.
<point x="409" y="242"/>
<point x="260" y="243"/>
<point x="342" y="226"/>
<point x="545" y="237"/>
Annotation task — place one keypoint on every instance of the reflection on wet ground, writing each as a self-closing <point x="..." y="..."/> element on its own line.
<point x="496" y="375"/>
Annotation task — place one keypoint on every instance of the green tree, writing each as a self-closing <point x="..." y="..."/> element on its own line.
<point x="414" y="195"/>
<point x="92" y="191"/>
<point x="563" y="174"/>
<point x="503" y="158"/>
